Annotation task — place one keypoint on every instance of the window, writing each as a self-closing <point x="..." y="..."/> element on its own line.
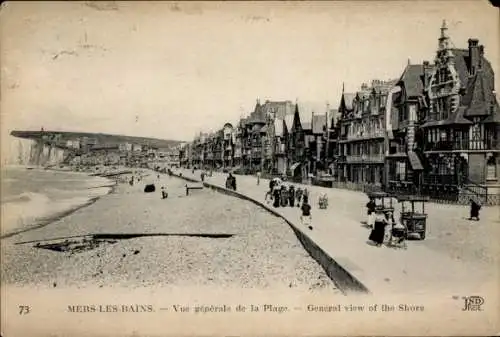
<point x="491" y="168"/>
<point x="383" y="99"/>
<point x="475" y="137"/>
<point x="413" y="112"/>
<point x="401" y="171"/>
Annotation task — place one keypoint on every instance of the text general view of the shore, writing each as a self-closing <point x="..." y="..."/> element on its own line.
<point x="332" y="196"/>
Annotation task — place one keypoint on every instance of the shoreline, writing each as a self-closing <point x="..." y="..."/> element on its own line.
<point x="43" y="221"/>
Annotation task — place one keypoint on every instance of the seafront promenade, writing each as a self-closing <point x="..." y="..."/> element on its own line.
<point x="457" y="258"/>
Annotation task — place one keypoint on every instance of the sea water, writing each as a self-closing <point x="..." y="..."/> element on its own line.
<point x="31" y="196"/>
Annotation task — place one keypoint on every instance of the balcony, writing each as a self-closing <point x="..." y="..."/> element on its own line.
<point x="463" y="145"/>
<point x="373" y="158"/>
<point x="368" y="135"/>
<point x="397" y="150"/>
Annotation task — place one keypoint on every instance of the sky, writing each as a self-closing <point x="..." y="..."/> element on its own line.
<point x="170" y="70"/>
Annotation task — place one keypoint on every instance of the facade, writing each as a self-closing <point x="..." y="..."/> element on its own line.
<point x="319" y="124"/>
<point x="405" y="112"/>
<point x="125" y="147"/>
<point x="296" y="149"/>
<point x="227" y="145"/>
<point x="460" y="135"/>
<point x="435" y="129"/>
<point x="73" y="143"/>
<point x="331" y="143"/>
<point x="238" y="141"/>
<point x="362" y="134"/>
<point x="273" y="147"/>
<point x="136" y="148"/>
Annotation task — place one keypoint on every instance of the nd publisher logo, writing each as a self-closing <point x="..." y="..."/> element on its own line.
<point x="473" y="303"/>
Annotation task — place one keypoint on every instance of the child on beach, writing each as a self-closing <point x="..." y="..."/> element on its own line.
<point x="164" y="194"/>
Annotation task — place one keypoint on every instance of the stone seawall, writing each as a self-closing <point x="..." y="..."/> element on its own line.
<point x="346" y="282"/>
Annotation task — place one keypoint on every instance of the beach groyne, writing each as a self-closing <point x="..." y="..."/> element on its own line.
<point x="345" y="281"/>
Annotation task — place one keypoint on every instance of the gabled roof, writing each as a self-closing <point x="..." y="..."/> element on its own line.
<point x="462" y="64"/>
<point x="318" y="124"/>
<point x="413" y="80"/>
<point x="257" y="115"/>
<point x="348" y="99"/>
<point x="478" y="96"/>
<point x="494" y="118"/>
<point x="333" y="118"/>
<point x="278" y="127"/>
<point x="288" y="121"/>
<point x="279" y="109"/>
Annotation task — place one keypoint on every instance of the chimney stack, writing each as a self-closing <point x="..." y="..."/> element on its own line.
<point x="474" y="56"/>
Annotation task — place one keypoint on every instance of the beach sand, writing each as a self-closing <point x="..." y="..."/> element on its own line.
<point x="263" y="253"/>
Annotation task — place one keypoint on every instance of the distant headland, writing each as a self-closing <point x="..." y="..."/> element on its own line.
<point x="99" y="138"/>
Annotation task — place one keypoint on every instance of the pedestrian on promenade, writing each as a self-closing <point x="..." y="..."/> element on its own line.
<point x="276" y="196"/>
<point x="233" y="182"/>
<point x="370" y="207"/>
<point x="258" y="178"/>
<point x="164" y="194"/>
<point x="474" y="210"/>
<point x="291" y="196"/>
<point x="306" y="218"/>
<point x="202" y="175"/>
<point x="378" y="232"/>
<point x="298" y="195"/>
<point x="284" y="196"/>
<point x="305" y="193"/>
<point x="229" y="182"/>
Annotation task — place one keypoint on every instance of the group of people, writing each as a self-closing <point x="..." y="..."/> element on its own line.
<point x="384" y="228"/>
<point x="282" y="195"/>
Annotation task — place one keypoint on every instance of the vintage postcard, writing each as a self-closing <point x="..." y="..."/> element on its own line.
<point x="326" y="168"/>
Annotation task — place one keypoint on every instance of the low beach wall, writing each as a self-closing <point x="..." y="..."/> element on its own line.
<point x="346" y="282"/>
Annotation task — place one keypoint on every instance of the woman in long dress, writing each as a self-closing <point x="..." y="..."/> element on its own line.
<point x="378" y="232"/>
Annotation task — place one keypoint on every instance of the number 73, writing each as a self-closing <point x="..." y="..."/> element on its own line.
<point x="24" y="309"/>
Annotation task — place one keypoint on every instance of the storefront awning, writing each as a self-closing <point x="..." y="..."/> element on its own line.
<point x="294" y="167"/>
<point x="415" y="162"/>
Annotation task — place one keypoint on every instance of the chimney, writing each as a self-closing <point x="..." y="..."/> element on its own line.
<point x="474" y="56"/>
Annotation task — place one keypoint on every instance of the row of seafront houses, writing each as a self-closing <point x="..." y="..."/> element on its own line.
<point x="88" y="151"/>
<point x="432" y="131"/>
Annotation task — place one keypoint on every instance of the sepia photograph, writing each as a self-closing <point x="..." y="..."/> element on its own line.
<point x="281" y="168"/>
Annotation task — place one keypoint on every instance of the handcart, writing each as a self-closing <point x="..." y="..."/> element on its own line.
<point x="383" y="201"/>
<point x="413" y="215"/>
